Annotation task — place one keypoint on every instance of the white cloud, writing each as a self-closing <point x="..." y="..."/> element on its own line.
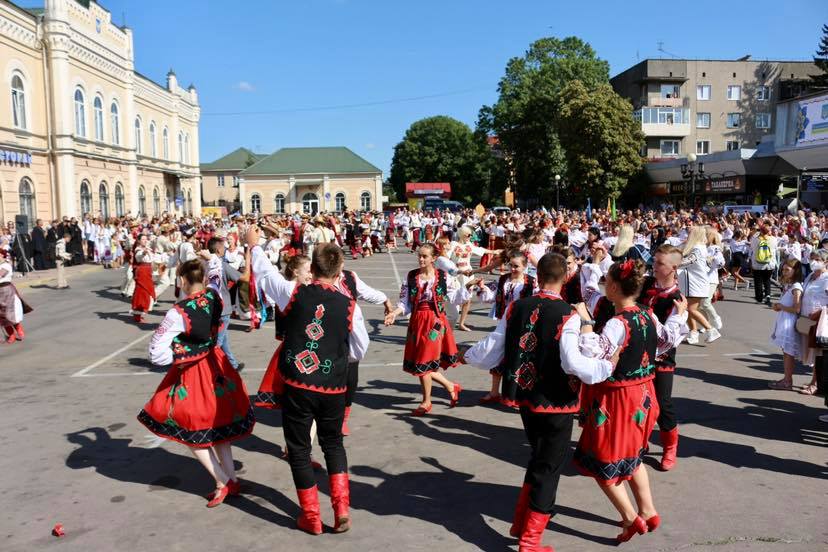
<point x="370" y="145"/>
<point x="244" y="86"/>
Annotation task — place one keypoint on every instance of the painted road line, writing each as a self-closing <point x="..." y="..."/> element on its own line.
<point x="396" y="272"/>
<point x="84" y="371"/>
<point x="755" y="352"/>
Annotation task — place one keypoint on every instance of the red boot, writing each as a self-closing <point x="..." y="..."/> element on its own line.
<point x="138" y="318"/>
<point x="12" y="337"/>
<point x="19" y="329"/>
<point x="530" y="538"/>
<point x="340" y="500"/>
<point x="309" y="520"/>
<point x="520" y="510"/>
<point x="669" y="441"/>
<point x="345" y="430"/>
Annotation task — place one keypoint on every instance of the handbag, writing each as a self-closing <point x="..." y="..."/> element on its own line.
<point x="822" y="329"/>
<point x="804" y="325"/>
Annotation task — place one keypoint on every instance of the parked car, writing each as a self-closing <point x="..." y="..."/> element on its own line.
<point x="443" y="205"/>
<point x="501" y="210"/>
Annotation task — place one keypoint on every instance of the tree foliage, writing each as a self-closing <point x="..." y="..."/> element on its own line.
<point x="524" y="115"/>
<point x="821" y="60"/>
<point x="603" y="140"/>
<point x="442" y="149"/>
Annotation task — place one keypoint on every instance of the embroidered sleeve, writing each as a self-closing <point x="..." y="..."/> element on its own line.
<point x="214" y="270"/>
<point x="403" y="303"/>
<point x="587" y="368"/>
<point x="487" y="293"/>
<point x="269" y="280"/>
<point x="160" y="347"/>
<point x="672" y="332"/>
<point x="608" y="341"/>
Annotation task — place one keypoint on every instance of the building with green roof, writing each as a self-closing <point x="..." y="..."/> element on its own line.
<point x="220" y="179"/>
<point x="307" y="180"/>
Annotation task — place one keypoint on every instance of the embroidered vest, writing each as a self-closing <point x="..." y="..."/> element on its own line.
<point x="571" y="290"/>
<point x="660" y="301"/>
<point x="500" y="295"/>
<point x="439" y="295"/>
<point x="317" y="329"/>
<point x="531" y="366"/>
<point x="202" y="316"/>
<point x="636" y="362"/>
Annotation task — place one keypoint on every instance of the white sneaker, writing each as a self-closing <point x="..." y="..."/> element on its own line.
<point x="713" y="335"/>
<point x="717" y="322"/>
<point x="693" y="338"/>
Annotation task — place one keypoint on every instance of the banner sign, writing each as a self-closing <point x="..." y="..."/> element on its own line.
<point x="20" y="157"/>
<point x="812" y="121"/>
<point x="741" y="209"/>
<point x="725" y="185"/>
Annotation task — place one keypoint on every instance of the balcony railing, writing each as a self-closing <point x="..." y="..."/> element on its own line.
<point x="656" y="100"/>
<point x="664" y="121"/>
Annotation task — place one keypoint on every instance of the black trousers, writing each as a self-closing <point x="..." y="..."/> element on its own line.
<point x="761" y="284"/>
<point x="39" y="262"/>
<point x="353" y="382"/>
<point x="90" y="250"/>
<point x="301" y="407"/>
<point x="549" y="436"/>
<point x="664" y="394"/>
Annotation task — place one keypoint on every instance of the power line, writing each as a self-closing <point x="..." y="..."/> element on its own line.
<point x="347" y="106"/>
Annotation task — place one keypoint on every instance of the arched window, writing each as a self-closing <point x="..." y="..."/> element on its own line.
<point x="142" y="201"/>
<point x="156" y="202"/>
<point x="27" y="202"/>
<point x="103" y="200"/>
<point x="279" y="204"/>
<point x="165" y="138"/>
<point x="116" y="131"/>
<point x="138" y="137"/>
<point x="189" y="202"/>
<point x="18" y="94"/>
<point x="119" y="200"/>
<point x="256" y="203"/>
<point x="180" y="147"/>
<point x="80" y="114"/>
<point x="187" y="148"/>
<point x="339" y="202"/>
<point x="98" y="111"/>
<point x="365" y="201"/>
<point x="86" y="198"/>
<point x="153" y="149"/>
<point x="310" y="203"/>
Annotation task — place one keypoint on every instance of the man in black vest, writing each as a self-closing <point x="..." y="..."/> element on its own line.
<point x="319" y="336"/>
<point x="536" y="347"/>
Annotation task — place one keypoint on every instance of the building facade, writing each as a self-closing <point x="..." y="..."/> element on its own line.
<point x="311" y="180"/>
<point x="81" y="131"/>
<point x="708" y="106"/>
<point x="220" y="179"/>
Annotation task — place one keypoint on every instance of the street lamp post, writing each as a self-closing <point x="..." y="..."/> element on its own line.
<point x="557" y="192"/>
<point x="689" y="172"/>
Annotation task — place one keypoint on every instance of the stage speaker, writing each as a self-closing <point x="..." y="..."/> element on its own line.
<point x="21" y="224"/>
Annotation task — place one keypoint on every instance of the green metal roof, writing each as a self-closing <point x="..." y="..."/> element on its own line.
<point x="333" y="160"/>
<point x="234" y="161"/>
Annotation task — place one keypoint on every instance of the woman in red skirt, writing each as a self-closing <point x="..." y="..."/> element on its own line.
<point x="202" y="402"/>
<point x="430" y="344"/>
<point x="619" y="413"/>
<point x="144" y="294"/>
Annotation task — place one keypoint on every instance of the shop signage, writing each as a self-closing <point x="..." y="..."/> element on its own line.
<point x="19" y="157"/>
<point x="812" y="121"/>
<point x="428" y="192"/>
<point x="725" y="185"/>
<point x="816" y="184"/>
<point x="679" y="187"/>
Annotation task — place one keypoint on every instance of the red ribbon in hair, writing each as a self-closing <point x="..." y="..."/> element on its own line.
<point x="627" y="268"/>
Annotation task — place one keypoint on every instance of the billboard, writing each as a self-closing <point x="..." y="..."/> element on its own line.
<point x="812" y="121"/>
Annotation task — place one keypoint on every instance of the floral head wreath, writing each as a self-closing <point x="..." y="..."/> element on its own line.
<point x="627" y="268"/>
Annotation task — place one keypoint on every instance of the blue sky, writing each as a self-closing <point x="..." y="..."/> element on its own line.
<point x="295" y="56"/>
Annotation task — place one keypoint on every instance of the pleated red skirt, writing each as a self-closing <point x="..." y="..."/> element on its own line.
<point x="144" y="293"/>
<point x="429" y="344"/>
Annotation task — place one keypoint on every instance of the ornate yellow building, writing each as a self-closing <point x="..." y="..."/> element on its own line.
<point x="80" y="130"/>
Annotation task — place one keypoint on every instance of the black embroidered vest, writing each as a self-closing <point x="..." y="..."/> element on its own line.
<point x="636" y="362"/>
<point x="439" y="295"/>
<point x="202" y="316"/>
<point x="531" y="367"/>
<point x="500" y="295"/>
<point x="660" y="301"/>
<point x="317" y="329"/>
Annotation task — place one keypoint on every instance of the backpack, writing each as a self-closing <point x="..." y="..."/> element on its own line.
<point x="764" y="255"/>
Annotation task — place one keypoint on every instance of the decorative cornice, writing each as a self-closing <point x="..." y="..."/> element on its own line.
<point x="18" y="33"/>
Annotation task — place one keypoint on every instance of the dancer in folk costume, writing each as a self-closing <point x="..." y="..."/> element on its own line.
<point x="202" y="401"/>
<point x="618" y="414"/>
<point x="571" y="291"/>
<point x="535" y="345"/>
<point x="514" y="285"/>
<point x="12" y="305"/>
<point x="319" y="337"/>
<point x="144" y="295"/>
<point x="461" y="254"/>
<point x="429" y="344"/>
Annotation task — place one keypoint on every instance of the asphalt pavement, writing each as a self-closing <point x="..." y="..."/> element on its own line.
<point x="752" y="472"/>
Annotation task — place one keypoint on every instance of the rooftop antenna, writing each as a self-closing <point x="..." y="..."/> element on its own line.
<point x="661" y="49"/>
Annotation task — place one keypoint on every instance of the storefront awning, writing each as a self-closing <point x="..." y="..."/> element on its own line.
<point x="427" y="189"/>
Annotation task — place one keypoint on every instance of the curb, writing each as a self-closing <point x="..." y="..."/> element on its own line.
<point x="27" y="282"/>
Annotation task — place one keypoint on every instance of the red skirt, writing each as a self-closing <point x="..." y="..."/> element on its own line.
<point x="617" y="422"/>
<point x="200" y="404"/>
<point x="144" y="288"/>
<point x="272" y="387"/>
<point x="430" y="344"/>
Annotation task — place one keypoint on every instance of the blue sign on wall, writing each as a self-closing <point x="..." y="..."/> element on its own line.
<point x="20" y="157"/>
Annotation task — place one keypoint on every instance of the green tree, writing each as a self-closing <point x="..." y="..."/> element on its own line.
<point x="821" y="60"/>
<point x="603" y="140"/>
<point x="441" y="149"/>
<point x="523" y="117"/>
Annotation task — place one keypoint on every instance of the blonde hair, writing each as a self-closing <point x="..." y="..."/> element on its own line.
<point x="464" y="232"/>
<point x="698" y="236"/>
<point x="713" y="236"/>
<point x="625" y="240"/>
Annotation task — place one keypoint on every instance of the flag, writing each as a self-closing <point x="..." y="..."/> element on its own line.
<point x="613" y="209"/>
<point x="589" y="209"/>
